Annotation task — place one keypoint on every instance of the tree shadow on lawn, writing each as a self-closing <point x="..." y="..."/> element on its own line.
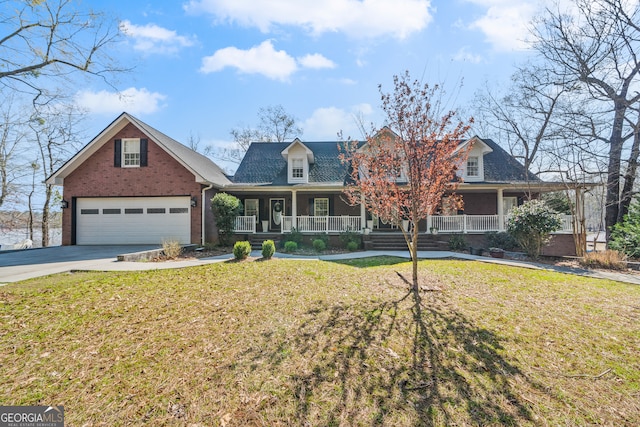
<point x="402" y="362"/>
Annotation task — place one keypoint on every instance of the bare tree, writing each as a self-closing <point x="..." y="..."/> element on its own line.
<point x="524" y="115"/>
<point x="276" y="125"/>
<point x="54" y="129"/>
<point x="11" y="144"/>
<point x="52" y="40"/>
<point x="595" y="45"/>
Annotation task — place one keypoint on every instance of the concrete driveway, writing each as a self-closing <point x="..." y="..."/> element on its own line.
<point x="30" y="263"/>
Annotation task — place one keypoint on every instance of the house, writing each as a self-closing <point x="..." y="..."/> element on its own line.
<point x="132" y="184"/>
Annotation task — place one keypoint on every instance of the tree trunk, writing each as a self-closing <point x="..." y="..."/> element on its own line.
<point x="414" y="258"/>
<point x="613" y="171"/>
<point x="629" y="177"/>
<point x="45" y="216"/>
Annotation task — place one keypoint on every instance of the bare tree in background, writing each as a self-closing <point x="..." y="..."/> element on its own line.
<point x="12" y="167"/>
<point x="276" y="125"/>
<point x="595" y="45"/>
<point x="55" y="130"/>
<point x="44" y="43"/>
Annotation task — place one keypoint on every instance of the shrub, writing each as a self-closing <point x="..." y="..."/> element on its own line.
<point x="324" y="237"/>
<point x="241" y="250"/>
<point x="319" y="245"/>
<point x="225" y="210"/>
<point x="501" y="240"/>
<point x="457" y="242"/>
<point x="348" y="236"/>
<point x="293" y="236"/>
<point x="625" y="236"/>
<point x="171" y="249"/>
<point x="352" y="246"/>
<point x="531" y="225"/>
<point x="609" y="259"/>
<point x="268" y="249"/>
<point x="290" y="246"/>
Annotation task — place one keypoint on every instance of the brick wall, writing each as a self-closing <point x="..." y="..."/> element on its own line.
<point x="164" y="176"/>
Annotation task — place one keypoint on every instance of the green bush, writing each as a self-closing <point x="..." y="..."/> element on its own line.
<point x="241" y="250"/>
<point x="502" y="240"/>
<point x="324" y="237"/>
<point x="531" y="224"/>
<point x="319" y="245"/>
<point x="457" y="242"/>
<point x="293" y="236"/>
<point x="625" y="236"/>
<point x="268" y="249"/>
<point x="350" y="236"/>
<point x="352" y="246"/>
<point x="290" y="246"/>
<point x="225" y="210"/>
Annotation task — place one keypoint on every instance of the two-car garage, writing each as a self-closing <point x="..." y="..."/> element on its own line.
<point x="132" y="220"/>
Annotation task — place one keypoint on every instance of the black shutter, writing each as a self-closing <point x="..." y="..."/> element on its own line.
<point x="117" y="153"/>
<point x="311" y="210"/>
<point x="330" y="201"/>
<point x="143" y="152"/>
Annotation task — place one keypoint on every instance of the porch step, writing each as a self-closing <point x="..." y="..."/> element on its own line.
<point x="396" y="242"/>
<point x="257" y="239"/>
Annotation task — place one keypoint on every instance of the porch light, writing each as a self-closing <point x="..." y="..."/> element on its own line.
<point x="64" y="204"/>
<point x="194" y="202"/>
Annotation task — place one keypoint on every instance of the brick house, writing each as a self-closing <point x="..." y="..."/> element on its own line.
<point x="132" y="184"/>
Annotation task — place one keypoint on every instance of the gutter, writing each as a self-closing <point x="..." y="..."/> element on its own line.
<point x="204" y="190"/>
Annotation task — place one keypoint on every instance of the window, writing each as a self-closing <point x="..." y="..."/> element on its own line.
<point x="134" y="211"/>
<point x="156" y="210"/>
<point x="473" y="166"/>
<point x="321" y="207"/>
<point x="178" y="210"/>
<point x="111" y="211"/>
<point x="297" y="168"/>
<point x="251" y="208"/>
<point x="89" y="211"/>
<point x="130" y="153"/>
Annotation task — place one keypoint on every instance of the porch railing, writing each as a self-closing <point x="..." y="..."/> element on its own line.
<point x="321" y="224"/>
<point x="481" y="223"/>
<point x="245" y="224"/>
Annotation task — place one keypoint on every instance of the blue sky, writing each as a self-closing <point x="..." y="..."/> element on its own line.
<point x="203" y="67"/>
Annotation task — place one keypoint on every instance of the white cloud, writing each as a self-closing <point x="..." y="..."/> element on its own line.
<point x="316" y="61"/>
<point x="505" y="23"/>
<point x="326" y="122"/>
<point x="151" y="38"/>
<point x="262" y="59"/>
<point x="132" y="100"/>
<point x="357" y="18"/>
<point x="463" y="55"/>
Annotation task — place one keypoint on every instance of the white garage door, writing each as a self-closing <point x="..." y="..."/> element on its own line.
<point x="132" y="220"/>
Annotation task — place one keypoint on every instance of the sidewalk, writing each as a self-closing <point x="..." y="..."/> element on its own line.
<point x="11" y="274"/>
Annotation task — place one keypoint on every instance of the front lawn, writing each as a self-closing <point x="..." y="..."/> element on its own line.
<point x="319" y="343"/>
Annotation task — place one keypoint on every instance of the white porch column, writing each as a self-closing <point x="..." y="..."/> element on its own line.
<point x="294" y="209"/>
<point x="363" y="213"/>
<point x="500" y="210"/>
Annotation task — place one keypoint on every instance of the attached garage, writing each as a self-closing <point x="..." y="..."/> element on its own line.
<point x="132" y="220"/>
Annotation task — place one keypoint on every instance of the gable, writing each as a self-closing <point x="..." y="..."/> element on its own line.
<point x="203" y="169"/>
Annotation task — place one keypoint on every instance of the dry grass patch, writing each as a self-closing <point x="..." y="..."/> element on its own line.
<point x="318" y="343"/>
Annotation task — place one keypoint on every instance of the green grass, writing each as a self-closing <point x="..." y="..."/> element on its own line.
<point x="319" y="343"/>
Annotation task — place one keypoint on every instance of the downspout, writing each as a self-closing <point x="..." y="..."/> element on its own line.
<point x="204" y="190"/>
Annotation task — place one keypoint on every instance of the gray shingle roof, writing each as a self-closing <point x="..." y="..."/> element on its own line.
<point x="500" y="166"/>
<point x="195" y="161"/>
<point x="263" y="164"/>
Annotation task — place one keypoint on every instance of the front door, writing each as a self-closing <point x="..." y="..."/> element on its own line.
<point x="276" y="214"/>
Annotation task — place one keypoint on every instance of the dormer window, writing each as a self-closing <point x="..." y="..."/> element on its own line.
<point x="297" y="168"/>
<point x="473" y="167"/>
